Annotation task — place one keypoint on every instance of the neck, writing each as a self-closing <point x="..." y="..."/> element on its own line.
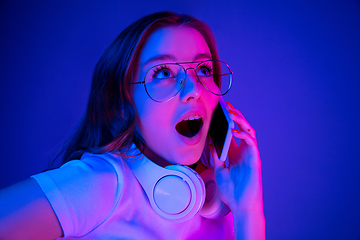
<point x="155" y="158"/>
<point x="198" y="166"/>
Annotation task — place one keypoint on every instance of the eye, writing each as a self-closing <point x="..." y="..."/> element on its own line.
<point x="205" y="70"/>
<point x="162" y="72"/>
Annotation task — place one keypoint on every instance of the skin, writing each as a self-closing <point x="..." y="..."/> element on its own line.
<point x="157" y="121"/>
<point x="25" y="207"/>
<point x="239" y="184"/>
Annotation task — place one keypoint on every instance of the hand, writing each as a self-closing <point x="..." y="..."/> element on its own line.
<point x="240" y="184"/>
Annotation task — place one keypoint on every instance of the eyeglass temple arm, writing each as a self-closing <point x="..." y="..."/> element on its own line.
<point x="138" y="82"/>
<point x="226" y="74"/>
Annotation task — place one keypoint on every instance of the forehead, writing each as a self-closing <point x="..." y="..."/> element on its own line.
<point x="182" y="43"/>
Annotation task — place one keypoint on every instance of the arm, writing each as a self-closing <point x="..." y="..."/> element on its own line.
<point x="240" y="184"/>
<point x="249" y="225"/>
<point x="26" y="213"/>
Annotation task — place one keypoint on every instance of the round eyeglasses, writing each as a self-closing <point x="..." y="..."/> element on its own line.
<point x="164" y="81"/>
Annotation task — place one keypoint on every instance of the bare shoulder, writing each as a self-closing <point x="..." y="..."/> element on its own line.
<point x="26" y="213"/>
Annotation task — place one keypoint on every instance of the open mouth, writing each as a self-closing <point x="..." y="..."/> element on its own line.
<point x="189" y="127"/>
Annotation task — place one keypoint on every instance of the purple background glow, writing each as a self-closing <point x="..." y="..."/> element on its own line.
<point x="297" y="72"/>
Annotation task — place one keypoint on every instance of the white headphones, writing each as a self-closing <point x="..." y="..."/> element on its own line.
<point x="177" y="193"/>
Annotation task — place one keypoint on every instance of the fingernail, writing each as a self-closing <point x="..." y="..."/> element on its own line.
<point x="229" y="104"/>
<point x="231" y="111"/>
<point x="235" y="130"/>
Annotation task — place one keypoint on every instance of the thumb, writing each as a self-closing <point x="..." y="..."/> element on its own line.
<point x="219" y="166"/>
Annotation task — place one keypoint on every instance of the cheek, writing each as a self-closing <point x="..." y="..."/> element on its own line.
<point x="212" y="102"/>
<point x="212" y="99"/>
<point x="156" y="128"/>
<point x="149" y="111"/>
<point x="144" y="118"/>
<point x="154" y="119"/>
<point x="140" y="99"/>
<point x="213" y="87"/>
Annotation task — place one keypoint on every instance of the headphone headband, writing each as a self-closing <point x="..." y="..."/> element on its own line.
<point x="177" y="193"/>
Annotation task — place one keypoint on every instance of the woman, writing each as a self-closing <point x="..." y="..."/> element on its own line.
<point x="132" y="115"/>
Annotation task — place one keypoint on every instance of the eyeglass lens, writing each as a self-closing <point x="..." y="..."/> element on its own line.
<point x="164" y="81"/>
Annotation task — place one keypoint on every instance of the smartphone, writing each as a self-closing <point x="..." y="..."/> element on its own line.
<point x="220" y="131"/>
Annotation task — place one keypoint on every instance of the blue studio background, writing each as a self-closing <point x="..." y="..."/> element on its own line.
<point x="297" y="72"/>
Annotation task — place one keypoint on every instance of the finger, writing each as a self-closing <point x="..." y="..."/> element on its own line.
<point x="246" y="137"/>
<point x="213" y="152"/>
<point x="220" y="170"/>
<point x="252" y="147"/>
<point x="242" y="123"/>
<point x="237" y="116"/>
<point x="231" y="107"/>
<point x="219" y="166"/>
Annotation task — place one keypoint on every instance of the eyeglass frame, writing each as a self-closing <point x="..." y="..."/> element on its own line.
<point x="185" y="70"/>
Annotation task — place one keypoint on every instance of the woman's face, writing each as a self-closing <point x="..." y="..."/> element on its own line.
<point x="163" y="125"/>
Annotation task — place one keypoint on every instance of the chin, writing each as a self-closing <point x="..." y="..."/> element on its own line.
<point x="189" y="158"/>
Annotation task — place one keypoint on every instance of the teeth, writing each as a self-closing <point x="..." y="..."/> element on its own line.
<point x="192" y="118"/>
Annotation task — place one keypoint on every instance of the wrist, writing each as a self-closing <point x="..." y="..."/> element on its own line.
<point x="250" y="205"/>
<point x="249" y="224"/>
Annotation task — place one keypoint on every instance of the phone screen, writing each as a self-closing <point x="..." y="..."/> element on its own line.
<point x="219" y="130"/>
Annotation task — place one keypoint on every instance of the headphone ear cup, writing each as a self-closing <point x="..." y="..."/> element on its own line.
<point x="176" y="193"/>
<point x="197" y="194"/>
<point x="214" y="207"/>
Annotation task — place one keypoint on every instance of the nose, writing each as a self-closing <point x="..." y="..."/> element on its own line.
<point x="192" y="88"/>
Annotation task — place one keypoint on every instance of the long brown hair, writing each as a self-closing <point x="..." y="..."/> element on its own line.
<point x="109" y="120"/>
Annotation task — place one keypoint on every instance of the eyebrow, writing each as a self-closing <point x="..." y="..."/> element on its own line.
<point x="170" y="57"/>
<point x="160" y="57"/>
